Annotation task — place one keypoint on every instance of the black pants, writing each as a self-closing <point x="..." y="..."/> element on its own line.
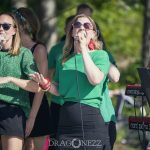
<point x="54" y="111"/>
<point x="111" y="126"/>
<point x="81" y="127"/>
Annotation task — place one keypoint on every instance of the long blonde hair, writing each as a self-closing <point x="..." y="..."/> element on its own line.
<point x="69" y="42"/>
<point x="16" y="41"/>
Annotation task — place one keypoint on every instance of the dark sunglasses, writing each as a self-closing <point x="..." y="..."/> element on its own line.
<point x="5" y="26"/>
<point x="86" y="25"/>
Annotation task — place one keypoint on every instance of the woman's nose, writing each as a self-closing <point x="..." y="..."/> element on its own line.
<point x="82" y="27"/>
<point x="1" y="28"/>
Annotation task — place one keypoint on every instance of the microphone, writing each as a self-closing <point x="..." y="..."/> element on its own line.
<point x="2" y="39"/>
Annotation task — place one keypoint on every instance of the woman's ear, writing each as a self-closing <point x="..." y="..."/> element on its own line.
<point x="92" y="34"/>
<point x="14" y="31"/>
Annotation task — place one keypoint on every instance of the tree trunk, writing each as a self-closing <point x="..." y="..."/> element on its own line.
<point x="46" y="12"/>
<point x="146" y="34"/>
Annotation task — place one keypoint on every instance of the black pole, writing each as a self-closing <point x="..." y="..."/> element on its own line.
<point x="144" y="145"/>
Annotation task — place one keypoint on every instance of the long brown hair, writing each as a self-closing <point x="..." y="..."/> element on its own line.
<point x="28" y="21"/>
<point x="16" y="41"/>
<point x="69" y="42"/>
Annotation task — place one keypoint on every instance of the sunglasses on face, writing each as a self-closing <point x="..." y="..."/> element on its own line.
<point x="5" y="26"/>
<point x="86" y="25"/>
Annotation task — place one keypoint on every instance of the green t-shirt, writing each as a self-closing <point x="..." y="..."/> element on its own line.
<point x="18" y="66"/>
<point x="106" y="108"/>
<point x="73" y="84"/>
<point x="53" y="59"/>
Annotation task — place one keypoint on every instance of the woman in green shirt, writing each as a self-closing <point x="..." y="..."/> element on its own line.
<point x="106" y="108"/>
<point x="17" y="62"/>
<point x="81" y="79"/>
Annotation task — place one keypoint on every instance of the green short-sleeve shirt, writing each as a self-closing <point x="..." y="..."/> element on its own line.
<point x="73" y="83"/>
<point x="53" y="58"/>
<point x="18" y="66"/>
<point x="106" y="108"/>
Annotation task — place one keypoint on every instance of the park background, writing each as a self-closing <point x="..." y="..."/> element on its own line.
<point x="125" y="26"/>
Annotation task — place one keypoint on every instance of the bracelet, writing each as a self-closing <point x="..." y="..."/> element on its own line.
<point x="46" y="86"/>
<point x="47" y="90"/>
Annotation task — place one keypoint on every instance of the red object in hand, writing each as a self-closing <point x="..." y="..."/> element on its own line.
<point x="91" y="45"/>
<point x="46" y="86"/>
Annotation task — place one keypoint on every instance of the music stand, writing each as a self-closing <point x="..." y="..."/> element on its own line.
<point x="144" y="74"/>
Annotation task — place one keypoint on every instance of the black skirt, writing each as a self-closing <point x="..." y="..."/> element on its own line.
<point x="54" y="110"/>
<point x="42" y="125"/>
<point x="81" y="127"/>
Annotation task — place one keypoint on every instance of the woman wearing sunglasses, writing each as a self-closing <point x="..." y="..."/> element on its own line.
<point x="18" y="62"/>
<point x="80" y="80"/>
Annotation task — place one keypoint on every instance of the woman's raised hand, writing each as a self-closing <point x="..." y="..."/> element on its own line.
<point x="82" y="37"/>
<point x="39" y="78"/>
<point x="81" y="41"/>
<point x="44" y="83"/>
